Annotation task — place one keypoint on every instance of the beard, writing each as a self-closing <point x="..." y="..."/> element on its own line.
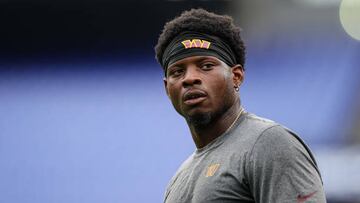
<point x="204" y="119"/>
<point x="200" y="120"/>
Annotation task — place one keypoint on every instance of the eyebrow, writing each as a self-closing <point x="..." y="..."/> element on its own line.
<point x="197" y="60"/>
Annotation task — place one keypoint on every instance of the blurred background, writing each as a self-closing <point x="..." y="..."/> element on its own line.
<point x="83" y="112"/>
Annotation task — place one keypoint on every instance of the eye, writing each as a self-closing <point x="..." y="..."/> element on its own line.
<point x="207" y="66"/>
<point x="175" y="72"/>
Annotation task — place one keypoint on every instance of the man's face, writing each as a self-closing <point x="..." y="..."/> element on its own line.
<point x="202" y="87"/>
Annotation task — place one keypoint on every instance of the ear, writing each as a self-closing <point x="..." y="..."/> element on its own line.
<point x="238" y="74"/>
<point x="165" y="85"/>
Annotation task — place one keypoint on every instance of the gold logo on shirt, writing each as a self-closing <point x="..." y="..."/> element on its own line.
<point x="212" y="170"/>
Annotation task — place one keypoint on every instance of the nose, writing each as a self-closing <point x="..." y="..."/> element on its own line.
<point x="191" y="77"/>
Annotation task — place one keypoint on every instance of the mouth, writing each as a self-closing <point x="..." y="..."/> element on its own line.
<point x="193" y="97"/>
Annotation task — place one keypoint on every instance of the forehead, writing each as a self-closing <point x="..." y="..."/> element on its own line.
<point x="196" y="59"/>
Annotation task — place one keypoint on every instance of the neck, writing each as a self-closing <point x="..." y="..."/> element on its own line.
<point x="204" y="134"/>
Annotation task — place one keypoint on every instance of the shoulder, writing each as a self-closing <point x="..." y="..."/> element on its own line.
<point x="279" y="141"/>
<point x="183" y="167"/>
<point x="269" y="133"/>
<point x="278" y="157"/>
<point x="255" y="122"/>
<point x="278" y="147"/>
<point x="270" y="142"/>
<point x="249" y="128"/>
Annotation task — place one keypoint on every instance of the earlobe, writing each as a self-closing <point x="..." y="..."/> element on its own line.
<point x="238" y="74"/>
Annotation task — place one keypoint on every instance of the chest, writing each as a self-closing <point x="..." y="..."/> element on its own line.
<point x="211" y="178"/>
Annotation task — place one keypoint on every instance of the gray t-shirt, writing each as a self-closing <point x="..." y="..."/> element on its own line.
<point x="257" y="160"/>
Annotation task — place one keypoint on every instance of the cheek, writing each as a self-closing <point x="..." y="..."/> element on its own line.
<point x="223" y="90"/>
<point x="222" y="86"/>
<point x="173" y="93"/>
<point x="175" y="98"/>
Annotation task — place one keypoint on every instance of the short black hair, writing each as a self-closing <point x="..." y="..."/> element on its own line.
<point x="200" y="20"/>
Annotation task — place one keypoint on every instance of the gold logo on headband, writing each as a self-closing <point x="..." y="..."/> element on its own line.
<point x="196" y="43"/>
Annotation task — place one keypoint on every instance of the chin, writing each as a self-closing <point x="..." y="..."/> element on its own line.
<point x="199" y="119"/>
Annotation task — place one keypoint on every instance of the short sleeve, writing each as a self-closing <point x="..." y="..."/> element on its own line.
<point x="282" y="169"/>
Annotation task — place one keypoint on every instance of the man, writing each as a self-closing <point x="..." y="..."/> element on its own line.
<point x="239" y="157"/>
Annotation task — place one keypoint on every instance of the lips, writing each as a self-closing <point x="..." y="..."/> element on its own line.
<point x="193" y="97"/>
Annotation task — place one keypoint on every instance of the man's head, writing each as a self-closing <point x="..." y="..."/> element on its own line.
<point x="202" y="55"/>
<point x="202" y="21"/>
